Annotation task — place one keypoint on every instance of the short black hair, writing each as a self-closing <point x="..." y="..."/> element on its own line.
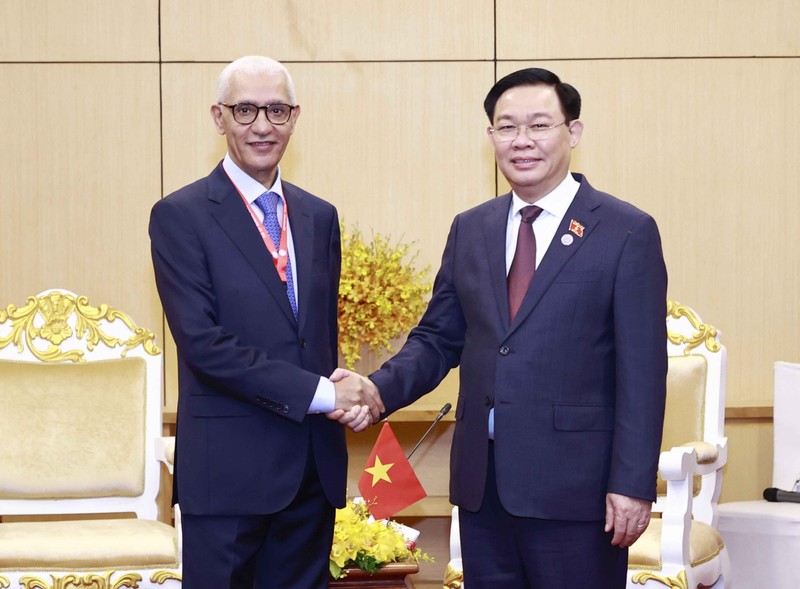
<point x="568" y="96"/>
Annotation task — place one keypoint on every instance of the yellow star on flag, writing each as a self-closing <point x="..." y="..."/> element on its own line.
<point x="379" y="471"/>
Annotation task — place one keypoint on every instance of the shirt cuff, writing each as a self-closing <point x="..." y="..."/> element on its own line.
<point x="491" y="423"/>
<point x="324" y="400"/>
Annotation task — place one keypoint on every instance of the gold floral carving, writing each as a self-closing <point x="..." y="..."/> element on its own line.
<point x="87" y="581"/>
<point x="55" y="308"/>
<point x="678" y="582"/>
<point x="704" y="333"/>
<point x="162" y="577"/>
<point x="453" y="579"/>
<point x="4" y="582"/>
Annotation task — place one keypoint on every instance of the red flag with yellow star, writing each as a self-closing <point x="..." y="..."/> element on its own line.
<point x="388" y="483"/>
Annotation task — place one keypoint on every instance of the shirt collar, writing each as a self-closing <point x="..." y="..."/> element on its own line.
<point x="556" y="202"/>
<point x="247" y="185"/>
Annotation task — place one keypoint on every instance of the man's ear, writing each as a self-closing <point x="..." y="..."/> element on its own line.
<point x="216" y="114"/>
<point x="575" y="132"/>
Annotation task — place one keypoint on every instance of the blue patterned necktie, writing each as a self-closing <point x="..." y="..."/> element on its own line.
<point x="268" y="203"/>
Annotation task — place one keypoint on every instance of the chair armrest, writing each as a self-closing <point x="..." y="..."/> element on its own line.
<point x="677" y="467"/>
<point x="710" y="456"/>
<point x="454" y="574"/>
<point x="165" y="451"/>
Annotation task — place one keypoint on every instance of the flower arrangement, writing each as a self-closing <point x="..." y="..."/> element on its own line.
<point x="366" y="543"/>
<point x="381" y="295"/>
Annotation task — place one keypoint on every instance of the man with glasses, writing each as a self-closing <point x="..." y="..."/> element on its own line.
<point x="552" y="300"/>
<point x="247" y="268"/>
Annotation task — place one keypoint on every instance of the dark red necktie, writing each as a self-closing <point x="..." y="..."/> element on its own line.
<point x="524" y="264"/>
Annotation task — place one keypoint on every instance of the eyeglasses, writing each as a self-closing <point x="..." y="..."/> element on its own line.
<point x="245" y="113"/>
<point x="533" y="132"/>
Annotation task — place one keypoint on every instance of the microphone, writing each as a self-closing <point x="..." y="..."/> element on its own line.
<point x="442" y="413"/>
<point x="777" y="495"/>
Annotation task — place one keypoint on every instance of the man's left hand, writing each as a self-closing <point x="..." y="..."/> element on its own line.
<point x="628" y="517"/>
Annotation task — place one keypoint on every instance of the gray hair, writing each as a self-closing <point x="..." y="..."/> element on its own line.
<point x="254" y="65"/>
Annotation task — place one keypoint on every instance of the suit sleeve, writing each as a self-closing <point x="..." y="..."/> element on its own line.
<point x="640" y="294"/>
<point x="335" y="272"/>
<point x="434" y="347"/>
<point x="216" y="357"/>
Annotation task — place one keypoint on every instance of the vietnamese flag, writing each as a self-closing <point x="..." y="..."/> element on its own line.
<point x="388" y="483"/>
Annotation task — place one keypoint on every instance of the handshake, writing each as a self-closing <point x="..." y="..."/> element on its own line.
<point x="358" y="401"/>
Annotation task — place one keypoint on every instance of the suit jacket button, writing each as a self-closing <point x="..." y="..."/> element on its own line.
<point x="285" y="409"/>
<point x="303" y="344"/>
<point x="504" y="350"/>
<point x="487" y="401"/>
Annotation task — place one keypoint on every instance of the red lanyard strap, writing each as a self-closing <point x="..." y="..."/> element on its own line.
<point x="280" y="255"/>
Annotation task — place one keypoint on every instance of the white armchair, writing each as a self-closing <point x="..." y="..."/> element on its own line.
<point x="682" y="549"/>
<point x="764" y="538"/>
<point x="80" y="408"/>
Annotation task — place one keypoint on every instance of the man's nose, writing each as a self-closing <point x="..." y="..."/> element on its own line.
<point x="261" y="123"/>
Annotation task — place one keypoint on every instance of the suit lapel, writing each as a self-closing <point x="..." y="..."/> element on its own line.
<point x="558" y="254"/>
<point x="302" y="227"/>
<point x="231" y="213"/>
<point x="494" y="237"/>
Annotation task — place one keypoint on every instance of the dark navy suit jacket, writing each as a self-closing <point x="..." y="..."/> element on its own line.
<point x="577" y="380"/>
<point x="247" y="369"/>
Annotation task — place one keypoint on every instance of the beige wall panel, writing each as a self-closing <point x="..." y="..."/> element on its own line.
<point x="319" y="30"/>
<point x="556" y="29"/>
<point x="398" y="148"/>
<point x="707" y="147"/>
<point x="191" y="146"/>
<point x="79" y="30"/>
<point x="80" y="172"/>
<point x="749" y="468"/>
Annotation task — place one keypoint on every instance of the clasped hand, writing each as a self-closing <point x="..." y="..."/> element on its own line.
<point x="358" y="402"/>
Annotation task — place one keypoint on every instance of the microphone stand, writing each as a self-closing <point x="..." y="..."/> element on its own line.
<point x="442" y="413"/>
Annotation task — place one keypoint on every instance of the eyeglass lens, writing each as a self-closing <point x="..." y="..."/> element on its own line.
<point x="245" y="113"/>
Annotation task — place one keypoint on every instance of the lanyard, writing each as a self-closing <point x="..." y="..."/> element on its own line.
<point x="280" y="256"/>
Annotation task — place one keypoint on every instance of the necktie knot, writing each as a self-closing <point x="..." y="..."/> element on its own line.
<point x="530" y="213"/>
<point x="268" y="203"/>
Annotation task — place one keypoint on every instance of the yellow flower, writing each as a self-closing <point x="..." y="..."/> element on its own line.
<point x="367" y="544"/>
<point x="380" y="295"/>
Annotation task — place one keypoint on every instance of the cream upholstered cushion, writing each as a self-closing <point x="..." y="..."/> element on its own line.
<point x="70" y="448"/>
<point x="706" y="453"/>
<point x="686" y="382"/>
<point x="68" y="545"/>
<point x="704" y="544"/>
<point x="684" y="415"/>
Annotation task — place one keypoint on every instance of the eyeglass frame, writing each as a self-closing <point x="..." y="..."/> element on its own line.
<point x="518" y="128"/>
<point x="258" y="109"/>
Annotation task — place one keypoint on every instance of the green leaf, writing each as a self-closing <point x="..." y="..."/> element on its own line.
<point x="336" y="570"/>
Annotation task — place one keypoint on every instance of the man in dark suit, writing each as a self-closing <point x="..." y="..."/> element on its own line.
<point x="556" y="315"/>
<point x="247" y="268"/>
